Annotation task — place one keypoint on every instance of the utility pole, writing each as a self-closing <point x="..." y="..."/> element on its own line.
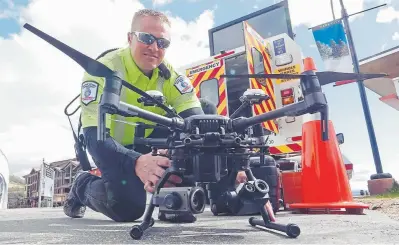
<point x="363" y="96"/>
<point x="332" y="8"/>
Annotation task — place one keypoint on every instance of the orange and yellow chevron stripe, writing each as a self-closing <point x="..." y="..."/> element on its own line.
<point x="285" y="149"/>
<point x="269" y="105"/>
<point x="205" y="72"/>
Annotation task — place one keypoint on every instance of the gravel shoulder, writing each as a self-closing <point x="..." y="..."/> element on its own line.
<point x="388" y="206"/>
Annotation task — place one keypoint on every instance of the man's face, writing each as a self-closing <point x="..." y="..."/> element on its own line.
<point x="148" y="57"/>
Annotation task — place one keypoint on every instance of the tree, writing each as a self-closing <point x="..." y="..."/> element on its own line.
<point x="335" y="49"/>
<point x="324" y="50"/>
<point x="343" y="49"/>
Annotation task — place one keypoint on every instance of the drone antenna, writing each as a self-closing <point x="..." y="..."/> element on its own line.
<point x="147" y="96"/>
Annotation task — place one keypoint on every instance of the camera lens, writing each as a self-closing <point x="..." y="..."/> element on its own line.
<point x="249" y="187"/>
<point x="172" y="201"/>
<point x="197" y="200"/>
<point x="261" y="186"/>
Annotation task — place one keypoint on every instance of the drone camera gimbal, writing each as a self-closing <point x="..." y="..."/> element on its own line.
<point x="202" y="147"/>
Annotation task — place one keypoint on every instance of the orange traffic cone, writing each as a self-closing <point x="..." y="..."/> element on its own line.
<point x="325" y="184"/>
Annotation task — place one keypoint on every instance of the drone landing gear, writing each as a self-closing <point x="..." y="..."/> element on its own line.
<point x="174" y="200"/>
<point x="248" y="198"/>
<point x="193" y="199"/>
<point x="292" y="230"/>
<point x="137" y="231"/>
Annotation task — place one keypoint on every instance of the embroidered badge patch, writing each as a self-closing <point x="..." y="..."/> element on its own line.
<point x="89" y="92"/>
<point x="183" y="84"/>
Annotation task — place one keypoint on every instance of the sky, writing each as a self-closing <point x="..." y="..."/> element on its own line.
<point x="37" y="81"/>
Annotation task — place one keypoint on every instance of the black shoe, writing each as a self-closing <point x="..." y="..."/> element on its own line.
<point x="72" y="207"/>
<point x="177" y="218"/>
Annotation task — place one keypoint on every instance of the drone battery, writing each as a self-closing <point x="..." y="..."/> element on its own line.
<point x="207" y="168"/>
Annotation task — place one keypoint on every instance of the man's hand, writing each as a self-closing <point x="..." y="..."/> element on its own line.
<point x="241" y="177"/>
<point x="151" y="168"/>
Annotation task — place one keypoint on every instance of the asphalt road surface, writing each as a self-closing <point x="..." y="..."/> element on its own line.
<point x="50" y="225"/>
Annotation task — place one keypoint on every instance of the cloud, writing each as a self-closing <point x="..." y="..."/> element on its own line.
<point x="387" y="15"/>
<point x="395" y="36"/>
<point x="9" y="9"/>
<point x="38" y="81"/>
<point x="320" y="11"/>
<point x="161" y="2"/>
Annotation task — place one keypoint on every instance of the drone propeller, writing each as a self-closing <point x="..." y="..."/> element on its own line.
<point x="325" y="77"/>
<point x="91" y="66"/>
<point x="322" y="78"/>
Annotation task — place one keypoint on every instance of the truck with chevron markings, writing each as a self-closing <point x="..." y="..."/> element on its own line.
<point x="256" y="48"/>
<point x="277" y="54"/>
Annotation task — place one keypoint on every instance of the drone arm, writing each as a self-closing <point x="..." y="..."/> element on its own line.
<point x="128" y="110"/>
<point x="109" y="104"/>
<point x="147" y="115"/>
<point x="144" y="94"/>
<point x="293" y="109"/>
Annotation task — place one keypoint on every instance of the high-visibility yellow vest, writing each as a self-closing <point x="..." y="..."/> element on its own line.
<point x="178" y="91"/>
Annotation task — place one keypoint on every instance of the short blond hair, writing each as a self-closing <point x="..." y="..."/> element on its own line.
<point x="148" y="12"/>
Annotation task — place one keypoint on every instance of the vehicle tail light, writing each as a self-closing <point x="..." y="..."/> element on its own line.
<point x="288" y="100"/>
<point x="294" y="138"/>
<point x="349" y="170"/>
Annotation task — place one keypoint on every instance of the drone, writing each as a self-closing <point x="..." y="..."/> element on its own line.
<point x="203" y="146"/>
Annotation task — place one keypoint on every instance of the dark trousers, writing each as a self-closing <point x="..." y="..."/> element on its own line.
<point x="118" y="194"/>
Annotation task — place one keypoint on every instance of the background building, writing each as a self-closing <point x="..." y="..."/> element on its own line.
<point x="64" y="174"/>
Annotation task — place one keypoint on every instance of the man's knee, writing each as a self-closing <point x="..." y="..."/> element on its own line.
<point x="119" y="202"/>
<point x="127" y="211"/>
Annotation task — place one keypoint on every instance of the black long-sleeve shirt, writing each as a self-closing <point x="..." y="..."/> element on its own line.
<point x="110" y="153"/>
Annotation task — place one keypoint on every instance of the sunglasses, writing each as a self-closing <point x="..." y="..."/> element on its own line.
<point x="149" y="39"/>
